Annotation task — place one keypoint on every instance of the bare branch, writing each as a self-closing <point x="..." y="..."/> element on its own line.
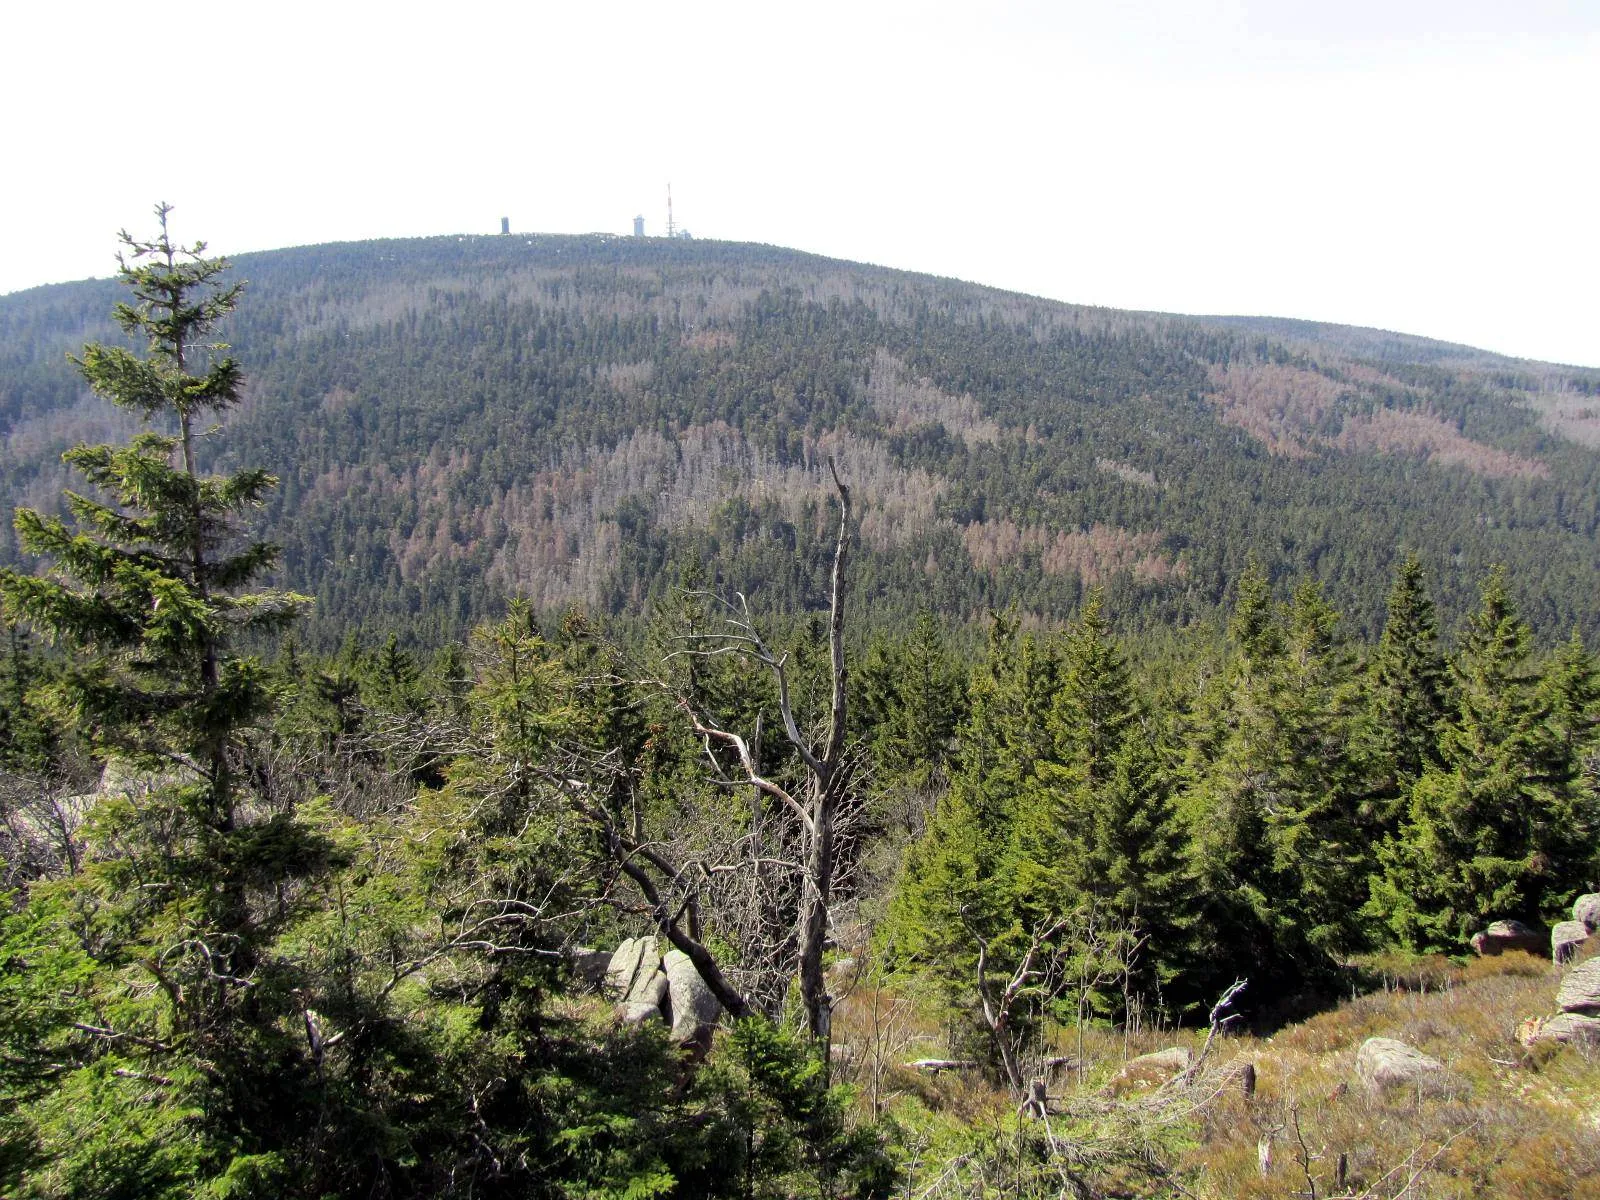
<point x="1217" y="1022"/>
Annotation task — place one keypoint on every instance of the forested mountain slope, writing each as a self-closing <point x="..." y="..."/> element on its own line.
<point x="283" y="922"/>
<point x="592" y="419"/>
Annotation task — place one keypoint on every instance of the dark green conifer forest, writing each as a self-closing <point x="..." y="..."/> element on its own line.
<point x="457" y="620"/>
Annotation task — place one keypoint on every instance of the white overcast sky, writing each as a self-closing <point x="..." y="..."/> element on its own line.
<point x="1428" y="166"/>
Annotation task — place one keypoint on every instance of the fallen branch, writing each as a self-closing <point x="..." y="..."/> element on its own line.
<point x="1218" y="1022"/>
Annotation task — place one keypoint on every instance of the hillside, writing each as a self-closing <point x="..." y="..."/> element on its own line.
<point x="584" y="420"/>
<point x="1512" y="1121"/>
<point x="731" y="906"/>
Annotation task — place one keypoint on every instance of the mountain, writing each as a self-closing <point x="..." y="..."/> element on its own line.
<point x="592" y="420"/>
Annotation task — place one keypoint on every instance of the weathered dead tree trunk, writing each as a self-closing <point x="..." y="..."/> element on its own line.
<point x="816" y="806"/>
<point x="1037" y="975"/>
<point x="826" y="778"/>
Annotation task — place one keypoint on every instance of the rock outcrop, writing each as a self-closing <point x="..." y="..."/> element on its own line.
<point x="646" y="984"/>
<point x="1586" y="909"/>
<point x="627" y="961"/>
<point x="1385" y="1065"/>
<point x="1508" y="935"/>
<point x="1152" y="1070"/>
<point x="1563" y="1029"/>
<point x="1565" y="940"/>
<point x="694" y="1009"/>
<point x="648" y="999"/>
<point x="1580" y="990"/>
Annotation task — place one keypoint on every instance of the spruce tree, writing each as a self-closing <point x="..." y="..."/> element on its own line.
<point x="1095" y="707"/>
<point x="913" y="699"/>
<point x="1253" y="626"/>
<point x="1096" y="829"/>
<point x="1570" y="689"/>
<point x="1262" y="788"/>
<point x="185" y="886"/>
<point x="1317" y="827"/>
<point x="1567" y="838"/>
<point x="147" y="584"/>
<point x="29" y="743"/>
<point x="1407" y="693"/>
<point x="1054" y="809"/>
<point x="957" y="890"/>
<point x="1231" y="749"/>
<point x="1496" y="830"/>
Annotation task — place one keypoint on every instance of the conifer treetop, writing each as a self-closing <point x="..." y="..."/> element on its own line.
<point x="149" y="574"/>
<point x="177" y="301"/>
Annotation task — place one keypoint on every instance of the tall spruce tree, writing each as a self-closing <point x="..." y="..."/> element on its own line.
<point x="147" y="586"/>
<point x="1566" y="839"/>
<point x="1570" y="689"/>
<point x="1321" y="780"/>
<point x="1229" y="747"/>
<point x="1257" y="796"/>
<point x="168" y="925"/>
<point x="956" y="892"/>
<point x="913" y="698"/>
<point x="1496" y="829"/>
<point x="1096" y="829"/>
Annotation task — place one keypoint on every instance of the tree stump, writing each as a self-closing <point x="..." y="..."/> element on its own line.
<point x="1033" y="1103"/>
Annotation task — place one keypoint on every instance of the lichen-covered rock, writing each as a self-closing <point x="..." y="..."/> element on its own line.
<point x="1508" y="935"/>
<point x="626" y="964"/>
<point x="1385" y="1065"/>
<point x="1152" y="1070"/>
<point x="591" y="966"/>
<point x="636" y="979"/>
<point x="1565" y="1028"/>
<point x="1565" y="939"/>
<point x="1580" y="989"/>
<point x="1587" y="910"/>
<point x="648" y="997"/>
<point x="694" y="1009"/>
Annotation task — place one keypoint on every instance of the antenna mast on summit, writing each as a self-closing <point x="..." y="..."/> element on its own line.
<point x="671" y="229"/>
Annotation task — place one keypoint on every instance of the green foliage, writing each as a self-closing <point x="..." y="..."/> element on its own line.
<point x="1060" y="819"/>
<point x="1501" y="827"/>
<point x="309" y="937"/>
<point x="154" y="601"/>
<point x="158" y="994"/>
<point x="913" y="697"/>
<point x="1251" y="830"/>
<point x="1098" y="830"/>
<point x="791" y="1132"/>
<point x="1270" y="788"/>
<point x="956" y="889"/>
<point x="29" y="739"/>
<point x="1408" y="686"/>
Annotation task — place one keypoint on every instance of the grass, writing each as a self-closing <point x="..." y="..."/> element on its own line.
<point x="1512" y="1123"/>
